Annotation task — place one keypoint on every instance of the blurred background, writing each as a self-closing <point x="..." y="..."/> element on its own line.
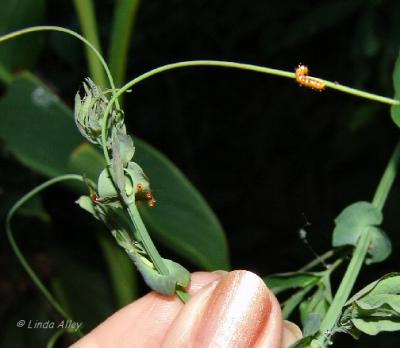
<point x="267" y="155"/>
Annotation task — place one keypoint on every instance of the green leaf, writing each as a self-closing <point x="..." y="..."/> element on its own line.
<point x="380" y="246"/>
<point x="373" y="326"/>
<point x="164" y="284"/>
<point x="384" y="292"/>
<point x="127" y="149"/>
<point x="374" y="309"/>
<point x="21" y="52"/>
<point x="285" y="281"/>
<point x="395" y="109"/>
<point x="86" y="157"/>
<point x="39" y="130"/>
<point x="353" y="221"/>
<point x="388" y="284"/>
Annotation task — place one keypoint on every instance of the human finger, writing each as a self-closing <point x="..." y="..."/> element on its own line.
<point x="144" y="322"/>
<point x="237" y="311"/>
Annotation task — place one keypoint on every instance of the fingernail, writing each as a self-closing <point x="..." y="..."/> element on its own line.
<point x="236" y="312"/>
<point x="291" y="333"/>
<point x="221" y="272"/>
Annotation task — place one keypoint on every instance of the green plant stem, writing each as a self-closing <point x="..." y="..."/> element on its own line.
<point x="144" y="238"/>
<point x="317" y="261"/>
<point x="87" y="20"/>
<point x="387" y="179"/>
<point x="224" y="64"/>
<point x="361" y="94"/>
<point x="360" y="250"/>
<point x="123" y="21"/>
<point x="182" y="294"/>
<point x="17" y="250"/>
<point x="69" y="32"/>
<point x="254" y="68"/>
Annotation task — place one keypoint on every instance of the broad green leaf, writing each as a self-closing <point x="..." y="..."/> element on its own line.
<point x="374" y="309"/>
<point x="388" y="284"/>
<point x="353" y="221"/>
<point x="395" y="109"/>
<point x="373" y="326"/>
<point x="21" y="52"/>
<point x="39" y="130"/>
<point x="86" y="157"/>
<point x="285" y="281"/>
<point x="386" y="291"/>
<point x="378" y="301"/>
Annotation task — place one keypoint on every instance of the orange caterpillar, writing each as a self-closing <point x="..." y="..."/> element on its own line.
<point x="304" y="80"/>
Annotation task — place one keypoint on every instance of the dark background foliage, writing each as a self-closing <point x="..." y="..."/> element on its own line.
<point x="267" y="155"/>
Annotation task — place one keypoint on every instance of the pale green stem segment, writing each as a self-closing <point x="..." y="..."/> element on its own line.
<point x="361" y="94"/>
<point x="255" y="68"/>
<point x="360" y="250"/>
<point x="17" y="33"/>
<point x="123" y="21"/>
<point x="17" y="250"/>
<point x="87" y="19"/>
<point x="233" y="65"/>
<point x="145" y="239"/>
<point x="182" y="65"/>
<point x="317" y="261"/>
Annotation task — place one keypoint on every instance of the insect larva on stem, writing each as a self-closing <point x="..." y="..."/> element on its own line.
<point x="303" y="79"/>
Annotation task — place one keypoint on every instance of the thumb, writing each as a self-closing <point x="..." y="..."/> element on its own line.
<point x="237" y="311"/>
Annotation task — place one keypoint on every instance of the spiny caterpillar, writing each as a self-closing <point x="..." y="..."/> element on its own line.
<point x="304" y="80"/>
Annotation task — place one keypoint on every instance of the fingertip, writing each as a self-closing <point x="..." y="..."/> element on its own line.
<point x="236" y="311"/>
<point x="291" y="334"/>
<point x="200" y="279"/>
